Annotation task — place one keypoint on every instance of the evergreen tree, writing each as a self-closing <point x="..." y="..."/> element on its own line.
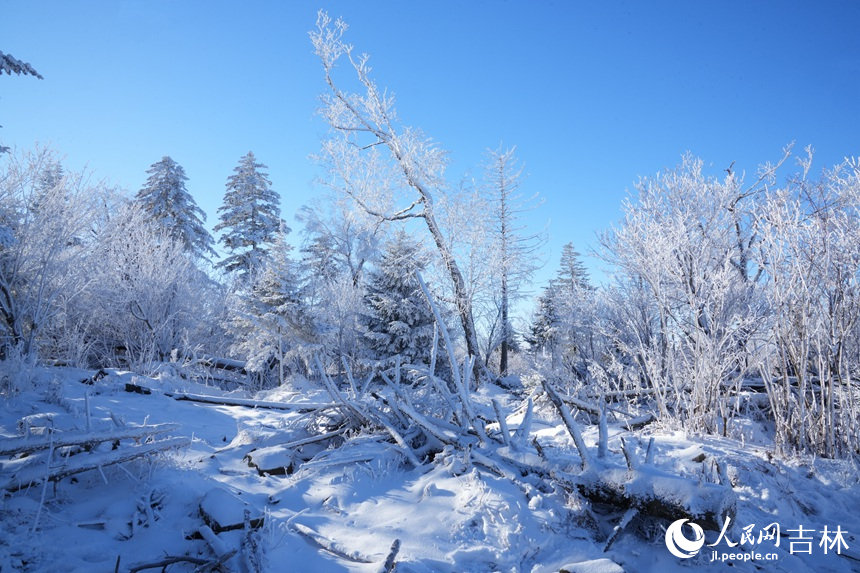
<point x="9" y="65"/>
<point x="561" y="298"/>
<point x="270" y="323"/>
<point x="49" y="178"/>
<point x="399" y="319"/>
<point x="544" y="328"/>
<point x="172" y="208"/>
<point x="250" y="216"/>
<point x="572" y="273"/>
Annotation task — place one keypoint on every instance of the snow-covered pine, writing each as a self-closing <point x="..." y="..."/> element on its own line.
<point x="10" y="65"/>
<point x="249" y="216"/>
<point x="558" y="319"/>
<point x="172" y="207"/>
<point x="269" y="322"/>
<point x="398" y="319"/>
<point x="572" y="272"/>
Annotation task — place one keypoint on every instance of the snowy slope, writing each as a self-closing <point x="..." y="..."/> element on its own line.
<point x="450" y="514"/>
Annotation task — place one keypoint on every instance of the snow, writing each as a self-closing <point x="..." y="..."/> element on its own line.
<point x="451" y="514"/>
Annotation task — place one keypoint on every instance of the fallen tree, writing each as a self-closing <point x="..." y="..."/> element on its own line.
<point x="641" y="487"/>
<point x="37" y="473"/>
<point x="86" y="440"/>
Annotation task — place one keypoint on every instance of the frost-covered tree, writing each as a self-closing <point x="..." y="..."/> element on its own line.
<point x="270" y="325"/>
<point x="543" y="330"/>
<point x="171" y="207"/>
<point x="338" y="239"/>
<point x="43" y="241"/>
<point x="392" y="172"/>
<point x="12" y="65"/>
<point x="249" y="216"/>
<point x="339" y="245"/>
<point x="680" y="244"/>
<point x="147" y="299"/>
<point x="572" y="272"/>
<point x="398" y="319"/>
<point x="515" y="251"/>
<point x="810" y="245"/>
<point x="560" y="319"/>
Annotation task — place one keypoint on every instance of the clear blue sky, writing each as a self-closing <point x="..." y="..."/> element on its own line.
<point x="593" y="94"/>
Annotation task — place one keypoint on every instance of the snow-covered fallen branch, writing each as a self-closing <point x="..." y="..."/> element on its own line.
<point x="331" y="546"/>
<point x="171" y="560"/>
<point x="35" y="474"/>
<point x="246" y="403"/>
<point x="651" y="492"/>
<point x="28" y="445"/>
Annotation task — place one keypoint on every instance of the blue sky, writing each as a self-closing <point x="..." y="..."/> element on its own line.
<point x="592" y="94"/>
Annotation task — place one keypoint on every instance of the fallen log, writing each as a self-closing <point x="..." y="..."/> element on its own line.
<point x="656" y="494"/>
<point x="224" y="364"/>
<point x="640" y="422"/>
<point x="390" y="561"/>
<point x="246" y="403"/>
<point x="27" y="445"/>
<point x="223" y="511"/>
<point x="651" y="492"/>
<point x="272" y="460"/>
<point x="37" y="473"/>
<point x="570" y="424"/>
<point x="170" y="560"/>
<point x="136" y="389"/>
<point x="332" y="546"/>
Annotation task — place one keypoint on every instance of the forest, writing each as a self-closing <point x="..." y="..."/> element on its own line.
<point x="730" y="311"/>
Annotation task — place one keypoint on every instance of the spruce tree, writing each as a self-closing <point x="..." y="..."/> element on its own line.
<point x="544" y="327"/>
<point x="572" y="273"/>
<point x="558" y="300"/>
<point x="399" y="319"/>
<point x="270" y="322"/>
<point x="170" y="206"/>
<point x="249" y="217"/>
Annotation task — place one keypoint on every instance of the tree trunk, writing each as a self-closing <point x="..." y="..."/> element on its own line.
<point x="503" y="360"/>
<point x="464" y="305"/>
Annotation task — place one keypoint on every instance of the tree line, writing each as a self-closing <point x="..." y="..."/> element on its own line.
<point x="727" y="298"/>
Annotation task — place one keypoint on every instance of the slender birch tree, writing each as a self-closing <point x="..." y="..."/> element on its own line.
<point x="391" y="171"/>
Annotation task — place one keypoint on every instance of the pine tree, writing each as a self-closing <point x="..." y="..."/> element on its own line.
<point x="399" y="319"/>
<point x="550" y="325"/>
<point x="544" y="327"/>
<point x="170" y="206"/>
<point x="572" y="272"/>
<point x="270" y="323"/>
<point x="249" y="215"/>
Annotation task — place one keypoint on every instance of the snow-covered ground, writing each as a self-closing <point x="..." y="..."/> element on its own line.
<point x="358" y="496"/>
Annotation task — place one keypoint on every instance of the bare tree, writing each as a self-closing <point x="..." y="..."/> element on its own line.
<point x="391" y="171"/>
<point x="516" y="255"/>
